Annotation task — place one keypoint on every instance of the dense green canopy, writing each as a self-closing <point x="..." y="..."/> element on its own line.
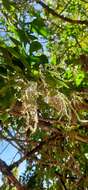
<point x="44" y="93"/>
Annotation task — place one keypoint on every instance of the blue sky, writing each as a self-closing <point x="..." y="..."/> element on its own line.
<point x="9" y="154"/>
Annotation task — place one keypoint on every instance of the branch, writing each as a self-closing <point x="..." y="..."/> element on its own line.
<point x="81" y="138"/>
<point x="2" y="137"/>
<point x="60" y="180"/>
<point x="36" y="149"/>
<point x="4" y="168"/>
<point x="74" y="136"/>
<point x="14" y="139"/>
<point x="55" y="14"/>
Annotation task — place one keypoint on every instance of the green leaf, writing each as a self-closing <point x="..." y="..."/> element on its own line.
<point x="38" y="22"/>
<point x="68" y="73"/>
<point x="35" y="46"/>
<point x="43" y="31"/>
<point x="2" y="81"/>
<point x="31" y="37"/>
<point x="3" y="71"/>
<point x="38" y="25"/>
<point x="7" y="98"/>
<point x="79" y="78"/>
<point x="4" y="117"/>
<point x="43" y="59"/>
<point x="22" y="35"/>
<point x="6" y="4"/>
<point x="14" y="52"/>
<point x="15" y="41"/>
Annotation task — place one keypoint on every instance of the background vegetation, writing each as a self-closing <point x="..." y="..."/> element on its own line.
<point x="44" y="93"/>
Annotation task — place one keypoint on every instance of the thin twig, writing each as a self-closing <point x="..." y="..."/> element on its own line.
<point x="36" y="149"/>
<point x="4" y="149"/>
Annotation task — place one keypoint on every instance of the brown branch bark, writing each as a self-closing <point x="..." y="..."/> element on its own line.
<point x="75" y="136"/>
<point x="4" y="168"/>
<point x="55" y="14"/>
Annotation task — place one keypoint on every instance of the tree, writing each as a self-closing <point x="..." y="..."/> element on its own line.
<point x="44" y="93"/>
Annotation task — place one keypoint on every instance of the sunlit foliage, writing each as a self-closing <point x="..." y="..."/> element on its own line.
<point x="44" y="93"/>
